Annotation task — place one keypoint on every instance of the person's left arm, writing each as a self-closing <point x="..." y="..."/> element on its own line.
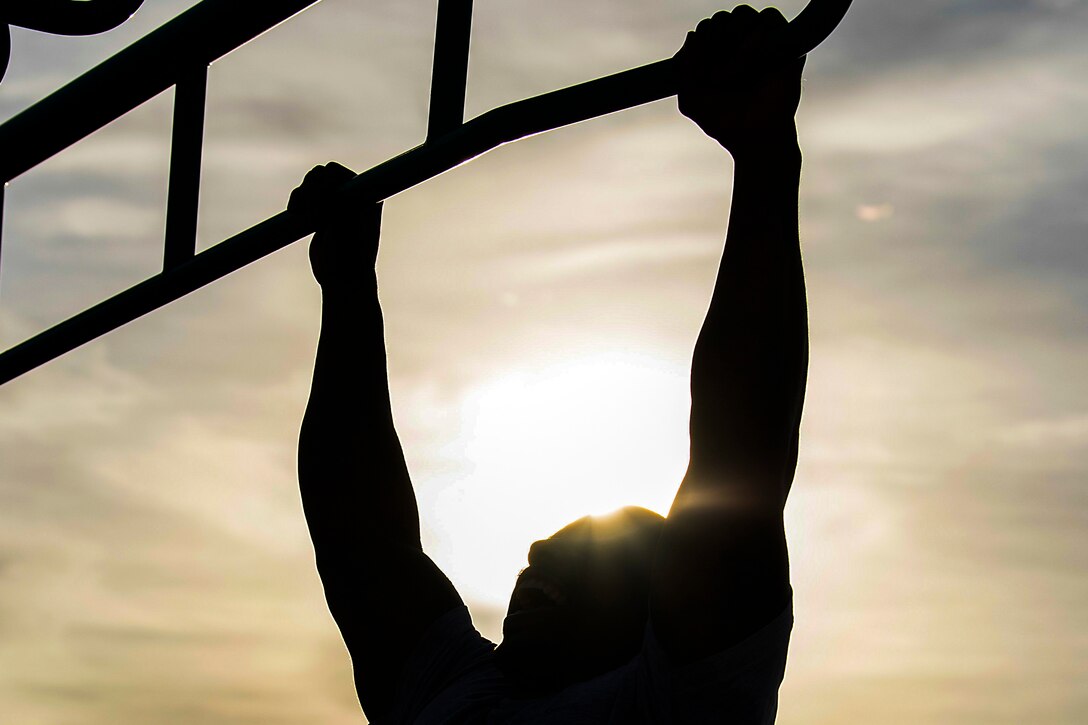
<point x="722" y="571"/>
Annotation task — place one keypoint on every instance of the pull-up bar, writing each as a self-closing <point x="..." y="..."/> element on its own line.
<point x="197" y="37"/>
<point x="448" y="145"/>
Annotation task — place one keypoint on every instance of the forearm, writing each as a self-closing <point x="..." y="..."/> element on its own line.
<point x="749" y="367"/>
<point x="354" y="481"/>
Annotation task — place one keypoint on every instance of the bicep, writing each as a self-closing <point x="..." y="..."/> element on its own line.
<point x="383" y="598"/>
<point x="721" y="572"/>
<point x="722" y="568"/>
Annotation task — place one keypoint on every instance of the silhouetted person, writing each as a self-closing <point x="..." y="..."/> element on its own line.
<point x="628" y="618"/>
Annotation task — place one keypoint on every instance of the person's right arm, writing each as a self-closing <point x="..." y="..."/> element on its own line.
<point x="382" y="590"/>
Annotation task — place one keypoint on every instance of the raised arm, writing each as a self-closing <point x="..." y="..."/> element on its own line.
<point x="722" y="569"/>
<point x="360" y="508"/>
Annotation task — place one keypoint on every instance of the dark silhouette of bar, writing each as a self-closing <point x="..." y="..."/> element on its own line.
<point x="186" y="150"/>
<point x="199" y="36"/>
<point x="453" y="31"/>
<point x="214" y="28"/>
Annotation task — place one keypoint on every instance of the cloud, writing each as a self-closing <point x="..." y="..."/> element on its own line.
<point x="1064" y="432"/>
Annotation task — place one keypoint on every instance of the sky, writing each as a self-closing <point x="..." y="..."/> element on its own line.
<point x="154" y="561"/>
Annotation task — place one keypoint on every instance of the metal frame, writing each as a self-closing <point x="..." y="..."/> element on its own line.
<point x="178" y="54"/>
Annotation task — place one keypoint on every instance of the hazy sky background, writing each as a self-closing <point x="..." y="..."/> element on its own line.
<point x="154" y="563"/>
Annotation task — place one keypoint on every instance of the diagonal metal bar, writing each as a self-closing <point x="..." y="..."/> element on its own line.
<point x="450" y="70"/>
<point x="186" y="149"/>
<point x="138" y="73"/>
<point x="492" y="129"/>
<point x="254" y="243"/>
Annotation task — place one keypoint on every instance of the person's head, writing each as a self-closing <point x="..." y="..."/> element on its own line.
<point x="579" y="609"/>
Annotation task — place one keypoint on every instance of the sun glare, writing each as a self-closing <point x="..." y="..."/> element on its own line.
<point x="547" y="446"/>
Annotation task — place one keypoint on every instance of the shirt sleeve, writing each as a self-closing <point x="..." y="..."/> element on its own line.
<point x="450" y="672"/>
<point x="738" y="686"/>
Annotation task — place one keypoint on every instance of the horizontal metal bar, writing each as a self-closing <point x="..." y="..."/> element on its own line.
<point x="153" y="293"/>
<point x="488" y="131"/>
<point x="449" y="74"/>
<point x="203" y="34"/>
<point x="137" y="74"/>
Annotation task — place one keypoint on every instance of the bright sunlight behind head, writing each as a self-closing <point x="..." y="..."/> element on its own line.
<point x="546" y="446"/>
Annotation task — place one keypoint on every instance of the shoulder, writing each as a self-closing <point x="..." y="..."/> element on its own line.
<point x="720" y="574"/>
<point x="449" y="674"/>
<point x="739" y="683"/>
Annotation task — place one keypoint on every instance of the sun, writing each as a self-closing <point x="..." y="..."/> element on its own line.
<point x="546" y="445"/>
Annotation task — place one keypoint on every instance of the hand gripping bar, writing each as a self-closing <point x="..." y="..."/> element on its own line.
<point x="606" y="95"/>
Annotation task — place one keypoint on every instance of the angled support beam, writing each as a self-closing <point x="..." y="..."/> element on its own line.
<point x="186" y="150"/>
<point x="200" y="35"/>
<point x="449" y="74"/>
<point x="492" y="129"/>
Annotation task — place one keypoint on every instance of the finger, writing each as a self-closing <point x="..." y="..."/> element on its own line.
<point x="709" y="30"/>
<point x="338" y="173"/>
<point x="313" y="175"/>
<point x="308" y="196"/>
<point x="327" y="177"/>
<point x="761" y="34"/>
<point x="721" y="25"/>
<point x="296" y="201"/>
<point x="745" y="11"/>
<point x="685" y="49"/>
<point x="773" y="17"/>
<point x="732" y="34"/>
<point x="304" y="198"/>
<point x="705" y="43"/>
<point x="693" y="52"/>
<point x="771" y="30"/>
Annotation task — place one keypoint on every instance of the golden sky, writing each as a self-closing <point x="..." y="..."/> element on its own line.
<point x="154" y="563"/>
